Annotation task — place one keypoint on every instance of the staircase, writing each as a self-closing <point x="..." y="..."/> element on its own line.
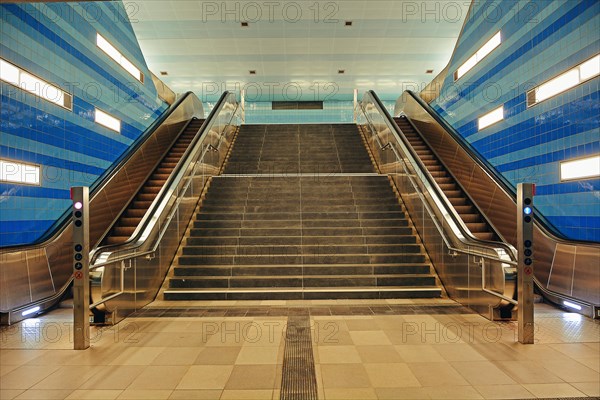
<point x="465" y="208"/>
<point x="300" y="214"/>
<point x="135" y="211"/>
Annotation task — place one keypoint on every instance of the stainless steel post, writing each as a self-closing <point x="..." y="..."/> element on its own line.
<point x="525" y="193"/>
<point x="81" y="281"/>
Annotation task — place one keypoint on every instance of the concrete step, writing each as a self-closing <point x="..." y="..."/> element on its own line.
<point x="369" y="292"/>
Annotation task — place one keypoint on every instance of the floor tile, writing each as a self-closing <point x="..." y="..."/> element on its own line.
<point x="94" y="394"/>
<point x="482" y="373"/>
<point x="68" y="377"/>
<point x="44" y="395"/>
<point x="26" y="376"/>
<point x="195" y="394"/>
<point x="217" y="356"/>
<point x="350" y="394"/>
<point x="205" y="377"/>
<point x="337" y="355"/>
<point x="589" y="388"/>
<point x="572" y="371"/>
<point x="257" y="355"/>
<point x="504" y="392"/>
<point x="391" y="375"/>
<point x="159" y="377"/>
<point x="458" y="352"/>
<point x="369" y="338"/>
<point x="141" y="394"/>
<point x="406" y="393"/>
<point x="419" y="353"/>
<point x="113" y="377"/>
<point x="10" y="394"/>
<point x="362" y="324"/>
<point x="528" y="372"/>
<point x="247" y="395"/>
<point x="453" y="392"/>
<point x="137" y="356"/>
<point x="177" y="356"/>
<point x="252" y="377"/>
<point x="436" y="374"/>
<point x="379" y="354"/>
<point x="344" y="376"/>
<point x="552" y="390"/>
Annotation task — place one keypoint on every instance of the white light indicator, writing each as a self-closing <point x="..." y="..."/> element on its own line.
<point x="30" y="311"/>
<point x="527" y="210"/>
<point x="107" y="120"/>
<point x="583" y="168"/>
<point x="78" y="205"/>
<point x="572" y="305"/>
<point x="491" y="118"/>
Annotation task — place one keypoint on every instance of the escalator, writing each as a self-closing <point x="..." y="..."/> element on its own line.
<point x="37" y="276"/>
<point x="462" y="203"/>
<point x="137" y="208"/>
<point x="566" y="271"/>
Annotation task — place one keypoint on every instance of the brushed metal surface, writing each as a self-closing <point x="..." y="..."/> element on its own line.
<point x="24" y="283"/>
<point x="459" y="259"/>
<point x="556" y="270"/>
<point x="135" y="270"/>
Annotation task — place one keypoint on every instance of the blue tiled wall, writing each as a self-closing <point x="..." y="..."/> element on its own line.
<point x="57" y="42"/>
<point x="540" y="39"/>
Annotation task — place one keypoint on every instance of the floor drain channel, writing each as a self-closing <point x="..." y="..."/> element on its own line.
<point x="299" y="381"/>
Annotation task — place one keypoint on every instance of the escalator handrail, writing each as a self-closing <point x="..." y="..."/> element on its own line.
<point x="158" y="200"/>
<point x="61" y="222"/>
<point x="509" y="249"/>
<point x="542" y="222"/>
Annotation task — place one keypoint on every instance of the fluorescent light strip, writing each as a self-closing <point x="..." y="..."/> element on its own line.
<point x="491" y="118"/>
<point x="30" y="311"/>
<point x="483" y="51"/>
<point x="116" y="55"/>
<point x="583" y="72"/>
<point x="572" y="305"/>
<point x="18" y="172"/>
<point x="107" y="120"/>
<point x="583" y="168"/>
<point x="22" y="79"/>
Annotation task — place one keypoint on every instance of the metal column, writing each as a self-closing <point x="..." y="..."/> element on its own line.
<point x="81" y="278"/>
<point x="525" y="193"/>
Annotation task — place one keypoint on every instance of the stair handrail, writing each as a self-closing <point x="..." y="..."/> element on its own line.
<point x="505" y="254"/>
<point x="161" y="210"/>
<point x="432" y="185"/>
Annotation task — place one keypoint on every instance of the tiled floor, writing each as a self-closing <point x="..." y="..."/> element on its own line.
<point x="362" y="349"/>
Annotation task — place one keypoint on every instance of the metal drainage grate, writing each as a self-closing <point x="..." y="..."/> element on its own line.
<point x="298" y="381"/>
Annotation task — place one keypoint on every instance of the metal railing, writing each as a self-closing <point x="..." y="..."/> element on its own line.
<point x="478" y="273"/>
<point x="124" y="278"/>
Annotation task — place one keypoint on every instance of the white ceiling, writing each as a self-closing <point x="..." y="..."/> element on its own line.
<point x="297" y="46"/>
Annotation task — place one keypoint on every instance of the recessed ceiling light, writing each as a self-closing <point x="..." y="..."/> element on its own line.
<point x="341" y="71"/>
<point x="348" y="23"/>
<point x="429" y="71"/>
<point x="252" y="72"/>
<point x="245" y="25"/>
<point x="164" y="73"/>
